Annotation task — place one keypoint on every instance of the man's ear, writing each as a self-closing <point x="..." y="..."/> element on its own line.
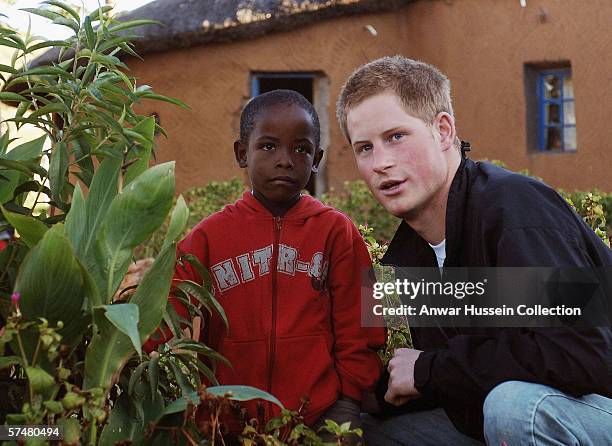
<point x="240" y="151"/>
<point x="317" y="159"/>
<point x="444" y="125"/>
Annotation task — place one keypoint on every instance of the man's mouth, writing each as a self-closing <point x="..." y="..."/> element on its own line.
<point x="391" y="187"/>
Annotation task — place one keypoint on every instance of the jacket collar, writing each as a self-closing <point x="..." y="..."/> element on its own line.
<point x="408" y="248"/>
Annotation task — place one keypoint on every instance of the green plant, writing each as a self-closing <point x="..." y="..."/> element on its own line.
<point x="66" y="347"/>
<point x="202" y="202"/>
<point x="356" y="201"/>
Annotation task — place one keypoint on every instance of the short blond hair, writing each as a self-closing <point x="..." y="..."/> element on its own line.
<point x="423" y="90"/>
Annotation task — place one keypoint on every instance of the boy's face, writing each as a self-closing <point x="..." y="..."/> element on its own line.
<point x="281" y="153"/>
<point x="400" y="157"/>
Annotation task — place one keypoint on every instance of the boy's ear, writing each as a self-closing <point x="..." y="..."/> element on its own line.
<point x="240" y="151"/>
<point x="445" y="126"/>
<point x="317" y="159"/>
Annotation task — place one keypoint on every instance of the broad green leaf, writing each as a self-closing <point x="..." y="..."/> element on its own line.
<point x="58" y="168"/>
<point x="8" y="69"/>
<point x="103" y="189"/>
<point x="243" y="393"/>
<point x="67" y="22"/>
<point x="159" y="97"/>
<point x="51" y="284"/>
<point x="46" y="13"/>
<point x="153" y="373"/>
<point x="72" y="430"/>
<point x="47" y="109"/>
<point x="65" y="7"/>
<point x="127" y="424"/>
<point x="180" y="405"/>
<point x="178" y="221"/>
<point x="45" y="70"/>
<point x="76" y="219"/>
<point x="108" y="352"/>
<point x="204" y="296"/>
<point x="180" y="378"/>
<point x="30" y="229"/>
<point x="132" y="217"/>
<point x="10" y="43"/>
<point x="41" y="382"/>
<point x="12" y="97"/>
<point x="200" y="348"/>
<point x="9" y="181"/>
<point x="122" y="425"/>
<point x="46" y="44"/>
<point x="96" y="14"/>
<point x="89" y="32"/>
<point x="236" y="393"/>
<point x="8" y="361"/>
<point x="110" y="348"/>
<point x="133" y="24"/>
<point x="28" y="150"/>
<point x="145" y="128"/>
<point x="26" y="167"/>
<point x="125" y="318"/>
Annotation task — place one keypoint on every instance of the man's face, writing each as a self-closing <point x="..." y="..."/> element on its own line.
<point x="400" y="157"/>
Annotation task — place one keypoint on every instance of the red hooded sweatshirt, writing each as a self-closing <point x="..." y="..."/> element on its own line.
<point x="294" y="329"/>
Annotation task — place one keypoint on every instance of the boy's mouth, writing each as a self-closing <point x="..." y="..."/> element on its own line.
<point x="283" y="180"/>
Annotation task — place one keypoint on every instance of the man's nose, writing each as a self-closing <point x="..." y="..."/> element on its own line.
<point x="382" y="159"/>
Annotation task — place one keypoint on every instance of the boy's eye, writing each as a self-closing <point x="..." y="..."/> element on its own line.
<point x="397" y="136"/>
<point x="268" y="146"/>
<point x="301" y="149"/>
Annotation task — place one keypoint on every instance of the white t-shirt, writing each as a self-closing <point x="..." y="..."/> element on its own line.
<point x="440" y="250"/>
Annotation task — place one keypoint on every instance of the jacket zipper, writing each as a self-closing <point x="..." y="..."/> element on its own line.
<point x="274" y="267"/>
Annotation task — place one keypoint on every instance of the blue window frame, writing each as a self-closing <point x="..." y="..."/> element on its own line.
<point x="556" y="112"/>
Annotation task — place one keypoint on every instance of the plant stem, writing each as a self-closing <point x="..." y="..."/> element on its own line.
<point x="25" y="364"/>
<point x="36" y="353"/>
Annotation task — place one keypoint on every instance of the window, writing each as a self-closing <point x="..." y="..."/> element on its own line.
<point x="554" y="107"/>
<point x="300" y="82"/>
<point x="314" y="87"/>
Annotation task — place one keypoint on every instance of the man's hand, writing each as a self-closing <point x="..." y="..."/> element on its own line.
<point x="401" y="376"/>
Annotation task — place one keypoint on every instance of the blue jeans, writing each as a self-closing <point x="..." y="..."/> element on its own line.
<point x="515" y="413"/>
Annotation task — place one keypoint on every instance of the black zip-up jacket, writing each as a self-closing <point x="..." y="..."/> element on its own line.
<point x="498" y="218"/>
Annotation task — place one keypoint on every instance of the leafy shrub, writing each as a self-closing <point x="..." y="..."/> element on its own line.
<point x="356" y="201"/>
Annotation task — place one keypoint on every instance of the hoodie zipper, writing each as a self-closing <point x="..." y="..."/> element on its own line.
<point x="274" y="267"/>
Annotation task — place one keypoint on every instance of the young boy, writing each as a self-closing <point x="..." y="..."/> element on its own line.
<point x="286" y="270"/>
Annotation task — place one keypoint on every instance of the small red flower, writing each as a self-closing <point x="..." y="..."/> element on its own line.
<point x="15" y="299"/>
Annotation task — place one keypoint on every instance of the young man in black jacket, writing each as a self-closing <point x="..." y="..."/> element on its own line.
<point x="501" y="385"/>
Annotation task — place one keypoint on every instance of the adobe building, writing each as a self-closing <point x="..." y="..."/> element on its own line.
<point x="531" y="79"/>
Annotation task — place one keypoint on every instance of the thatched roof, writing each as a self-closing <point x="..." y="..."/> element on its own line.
<point x="196" y="22"/>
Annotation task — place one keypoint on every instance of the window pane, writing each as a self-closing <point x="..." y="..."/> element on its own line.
<point x="568" y="87"/>
<point x="569" y="138"/>
<point x="552" y="85"/>
<point x="569" y="116"/>
<point x="551" y="114"/>
<point x="553" y="138"/>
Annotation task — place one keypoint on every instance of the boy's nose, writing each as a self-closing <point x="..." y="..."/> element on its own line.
<point x="284" y="159"/>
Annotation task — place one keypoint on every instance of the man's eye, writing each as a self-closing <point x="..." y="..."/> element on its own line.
<point x="301" y="149"/>
<point x="397" y="136"/>
<point x="365" y="148"/>
<point x="268" y="146"/>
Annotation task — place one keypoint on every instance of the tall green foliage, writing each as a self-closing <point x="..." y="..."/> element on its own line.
<point x="64" y="343"/>
<point x="70" y="356"/>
